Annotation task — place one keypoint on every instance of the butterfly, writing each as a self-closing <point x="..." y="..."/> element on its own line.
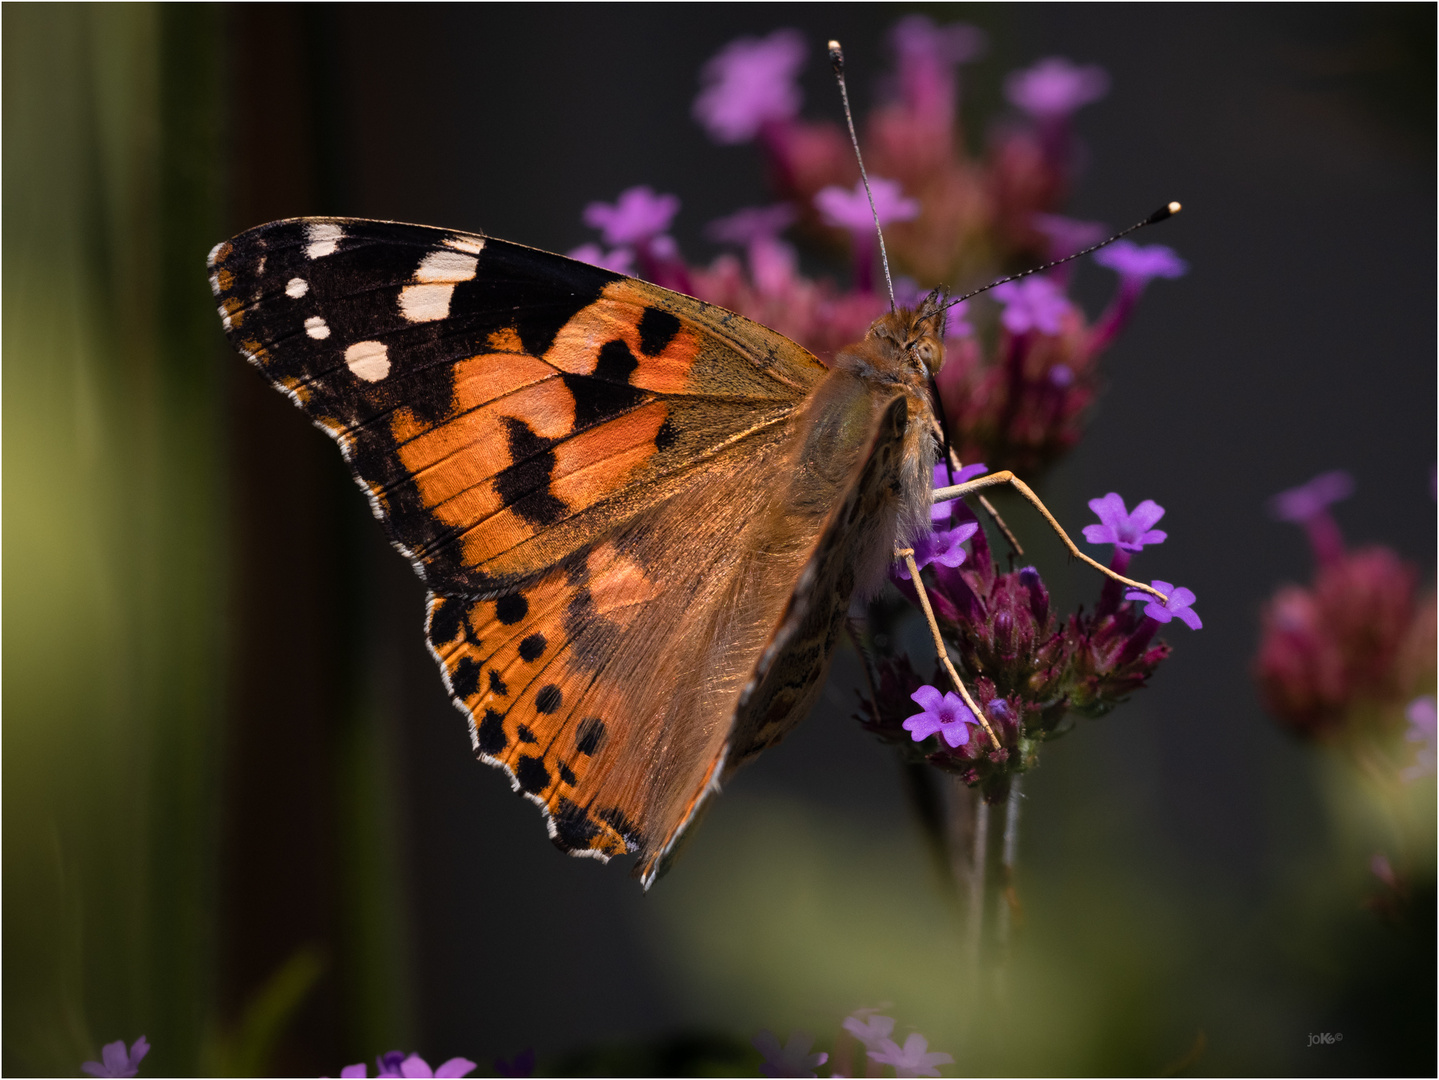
<point x="642" y="519"/>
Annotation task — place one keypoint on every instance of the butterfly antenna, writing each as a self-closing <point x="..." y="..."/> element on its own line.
<point x="836" y="60"/>
<point x="1168" y="210"/>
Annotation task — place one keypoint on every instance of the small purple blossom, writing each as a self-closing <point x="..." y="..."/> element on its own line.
<point x="916" y="38"/>
<point x="116" y="1061"/>
<point x="750" y="82"/>
<point x="1307" y="501"/>
<point x="911" y="1059"/>
<point x="945" y="477"/>
<point x="869" y="1028"/>
<point x="1061" y="376"/>
<point x="621" y="259"/>
<point x="638" y="215"/>
<point x="944" y="714"/>
<point x="850" y="209"/>
<point x="396" y="1063"/>
<point x="1421" y="716"/>
<point x="1035" y="303"/>
<point x="1141" y="263"/>
<point x="1177" y="606"/>
<point x="1130" y="531"/>
<point x="792" y="1059"/>
<point x="942" y="546"/>
<point x="1055" y="87"/>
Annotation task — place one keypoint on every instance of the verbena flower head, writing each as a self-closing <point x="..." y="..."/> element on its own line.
<point x="792" y="1059"/>
<point x="1054" y="88"/>
<point x="638" y="215"/>
<point x="1033" y="303"/>
<point x="397" y="1063"/>
<point x="115" y="1060"/>
<point x="911" y="1059"/>
<point x="748" y="83"/>
<point x="945" y="715"/>
<point x="1307" y="501"/>
<point x="1140" y="264"/>
<point x="752" y="223"/>
<point x="1117" y="526"/>
<point x="925" y="58"/>
<point x="1421" y="716"/>
<point x="849" y="209"/>
<point x="1177" y="606"/>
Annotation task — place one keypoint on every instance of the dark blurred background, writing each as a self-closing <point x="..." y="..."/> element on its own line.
<point x="240" y="815"/>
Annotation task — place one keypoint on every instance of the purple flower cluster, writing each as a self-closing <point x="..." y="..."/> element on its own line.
<point x="1022" y="362"/>
<point x="398" y="1063"/>
<point x="1339" y="658"/>
<point x="1033" y="667"/>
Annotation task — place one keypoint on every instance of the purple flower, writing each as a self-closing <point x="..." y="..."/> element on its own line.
<point x="943" y="546"/>
<point x="638" y="215"/>
<point x="115" y="1061"/>
<point x="1066" y="235"/>
<point x="926" y="56"/>
<point x="522" y="1064"/>
<point x="850" y="209"/>
<point x="1307" y="501"/>
<point x="1177" y="607"/>
<point x="1055" y="87"/>
<point x="912" y="1059"/>
<point x="792" y="1059"/>
<point x="1421" y="730"/>
<point x="946" y="715"/>
<point x="945" y="477"/>
<point x="621" y="259"/>
<point x="1035" y="303"/>
<point x="395" y="1063"/>
<point x="1130" y="531"/>
<point x="748" y="83"/>
<point x="1140" y="264"/>
<point x="752" y="223"/>
<point x="869" y="1028"/>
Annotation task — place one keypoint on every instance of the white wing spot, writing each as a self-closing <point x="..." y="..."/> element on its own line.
<point x="214" y="255"/>
<point x="316" y="328"/>
<point x="472" y="245"/>
<point x="446" y="266"/>
<point x="425" y="303"/>
<point x="296" y="287"/>
<point x="369" y="360"/>
<point x="323" y="237"/>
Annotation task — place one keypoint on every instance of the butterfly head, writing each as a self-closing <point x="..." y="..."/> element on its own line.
<point x="906" y="345"/>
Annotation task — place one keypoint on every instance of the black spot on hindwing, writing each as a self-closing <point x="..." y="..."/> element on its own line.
<point x="465" y="679"/>
<point x="497" y="684"/>
<point x="590" y="735"/>
<point x="532" y="648"/>
<point x="445" y="619"/>
<point x="525" y="734"/>
<point x="573" y="826"/>
<point x="549" y="699"/>
<point x="532" y="774"/>
<point x="598" y="399"/>
<point x="665" y="437"/>
<point x="490" y="734"/>
<point x="511" y="609"/>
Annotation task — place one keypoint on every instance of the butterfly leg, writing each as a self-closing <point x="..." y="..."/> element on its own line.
<point x="1007" y="477"/>
<point x="907" y="554"/>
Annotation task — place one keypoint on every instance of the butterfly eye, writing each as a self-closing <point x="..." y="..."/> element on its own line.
<point x="927" y="354"/>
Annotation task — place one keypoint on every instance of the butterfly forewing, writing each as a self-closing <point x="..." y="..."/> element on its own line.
<point x="634" y="531"/>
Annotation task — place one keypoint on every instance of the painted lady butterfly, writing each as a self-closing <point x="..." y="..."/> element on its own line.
<point x="641" y="517"/>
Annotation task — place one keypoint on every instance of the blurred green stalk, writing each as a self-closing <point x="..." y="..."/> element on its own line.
<point x="115" y="604"/>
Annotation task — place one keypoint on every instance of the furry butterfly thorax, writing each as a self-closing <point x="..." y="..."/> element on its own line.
<point x="642" y="519"/>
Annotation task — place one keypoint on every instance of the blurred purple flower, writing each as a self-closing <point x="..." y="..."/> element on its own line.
<point x="621" y="259"/>
<point x="1130" y="531"/>
<point x="638" y="215"/>
<point x="944" y="714"/>
<point x="911" y="1059"/>
<point x="1068" y="235"/>
<point x="792" y="1059"/>
<point x="1061" y="376"/>
<point x="1035" y="303"/>
<point x="957" y="324"/>
<point x="925" y="58"/>
<point x="1140" y="264"/>
<point x="850" y="209"/>
<point x="1421" y="730"/>
<point x="748" y="83"/>
<point x="1055" y="87"/>
<point x="751" y="223"/>
<point x="869" y="1028"/>
<point x="1177" y="607"/>
<point x="116" y="1061"/>
<point x="1303" y="503"/>
<point x="396" y="1063"/>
